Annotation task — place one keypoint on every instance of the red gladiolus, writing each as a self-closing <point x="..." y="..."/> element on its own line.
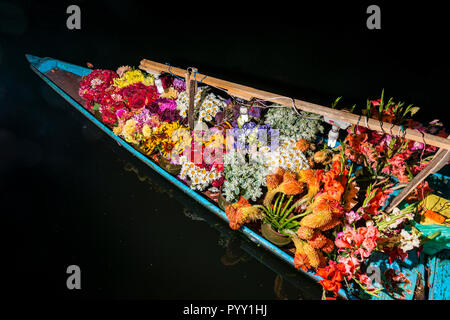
<point x="332" y="275"/>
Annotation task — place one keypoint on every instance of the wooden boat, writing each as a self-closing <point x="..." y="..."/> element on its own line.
<point x="64" y="78"/>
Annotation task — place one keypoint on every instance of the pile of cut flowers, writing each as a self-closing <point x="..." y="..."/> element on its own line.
<point x="275" y="172"/>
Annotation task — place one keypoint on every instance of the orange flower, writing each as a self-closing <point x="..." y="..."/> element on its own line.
<point x="318" y="240"/>
<point x="323" y="156"/>
<point x="332" y="224"/>
<point x="312" y="254"/>
<point x="305" y="233"/>
<point x="289" y="176"/>
<point x="305" y="255"/>
<point x="312" y="178"/>
<point x="326" y="202"/>
<point x="316" y="219"/>
<point x="350" y="196"/>
<point x="328" y="247"/>
<point x="273" y="181"/>
<point x="235" y="216"/>
<point x="302" y="145"/>
<point x="300" y="259"/>
<point x="289" y="187"/>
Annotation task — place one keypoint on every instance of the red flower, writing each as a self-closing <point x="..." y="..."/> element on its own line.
<point x="332" y="275"/>
<point x="138" y="95"/>
<point x="96" y="85"/>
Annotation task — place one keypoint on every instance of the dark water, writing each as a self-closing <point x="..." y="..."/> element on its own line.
<point x="70" y="195"/>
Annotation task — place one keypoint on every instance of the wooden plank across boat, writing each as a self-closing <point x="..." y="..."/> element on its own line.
<point x="65" y="77"/>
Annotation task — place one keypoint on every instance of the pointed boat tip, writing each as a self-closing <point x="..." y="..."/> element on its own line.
<point x="32" y="59"/>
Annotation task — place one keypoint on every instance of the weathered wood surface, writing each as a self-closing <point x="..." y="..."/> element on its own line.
<point x="67" y="81"/>
<point x="191" y="89"/>
<point x="248" y="93"/>
<point x="439" y="276"/>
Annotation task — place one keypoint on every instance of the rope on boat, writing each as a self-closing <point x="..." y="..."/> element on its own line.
<point x="195" y="78"/>
<point x="171" y="73"/>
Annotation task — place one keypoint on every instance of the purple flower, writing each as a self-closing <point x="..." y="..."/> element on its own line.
<point x="352" y="216"/>
<point x="254" y="112"/>
<point x="416" y="146"/>
<point x="142" y="117"/>
<point x="166" y="104"/>
<point x="179" y="85"/>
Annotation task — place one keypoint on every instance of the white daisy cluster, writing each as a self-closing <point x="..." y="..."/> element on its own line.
<point x="206" y="104"/>
<point x="286" y="156"/>
<point x="290" y="124"/>
<point x="199" y="178"/>
<point x="409" y="241"/>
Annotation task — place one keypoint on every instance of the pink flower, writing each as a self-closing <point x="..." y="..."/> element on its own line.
<point x="350" y="263"/>
<point x="352" y="216"/>
<point x="372" y="232"/>
<point x="369" y="244"/>
<point x="365" y="280"/>
<point x="121" y="113"/>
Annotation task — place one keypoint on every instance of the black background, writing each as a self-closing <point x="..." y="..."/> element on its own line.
<point x="65" y="197"/>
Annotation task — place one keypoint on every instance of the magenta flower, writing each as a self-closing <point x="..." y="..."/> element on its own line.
<point x="352" y="216"/>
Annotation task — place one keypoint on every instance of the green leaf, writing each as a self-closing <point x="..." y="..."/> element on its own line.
<point x="96" y="106"/>
<point x="334" y="104"/>
<point x="414" y="110"/>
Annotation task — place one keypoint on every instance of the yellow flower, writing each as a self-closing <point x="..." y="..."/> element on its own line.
<point x="170" y="93"/>
<point x="133" y="76"/>
<point x="129" y="131"/>
<point x="146" y="131"/>
<point x="117" y="130"/>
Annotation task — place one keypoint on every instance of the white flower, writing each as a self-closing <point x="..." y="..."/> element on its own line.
<point x="409" y="241"/>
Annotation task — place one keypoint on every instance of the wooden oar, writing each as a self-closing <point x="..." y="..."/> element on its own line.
<point x="248" y="93"/>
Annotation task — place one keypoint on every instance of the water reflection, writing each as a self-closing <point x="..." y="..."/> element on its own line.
<point x="237" y="249"/>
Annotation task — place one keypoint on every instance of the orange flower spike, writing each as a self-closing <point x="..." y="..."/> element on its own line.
<point x="273" y="181"/>
<point x="332" y="224"/>
<point x="243" y="202"/>
<point x="316" y="219"/>
<point x="280" y="171"/>
<point x="312" y="254"/>
<point x="305" y="233"/>
<point x="328" y="247"/>
<point x="235" y="219"/>
<point x="318" y="240"/>
<point x="300" y="258"/>
<point x="290" y="188"/>
<point x="289" y="176"/>
<point x="312" y="179"/>
<point x="251" y="213"/>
